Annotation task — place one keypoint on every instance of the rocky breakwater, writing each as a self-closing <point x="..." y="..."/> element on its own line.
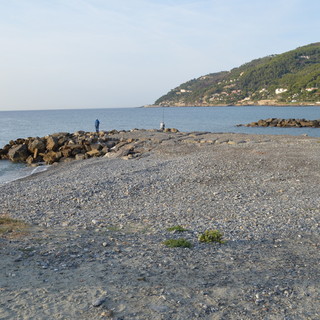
<point x="63" y="146"/>
<point x="284" y="123"/>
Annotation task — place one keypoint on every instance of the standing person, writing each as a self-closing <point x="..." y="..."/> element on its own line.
<point x="97" y="125"/>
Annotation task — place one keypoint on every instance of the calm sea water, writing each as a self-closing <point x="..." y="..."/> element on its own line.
<point x="22" y="124"/>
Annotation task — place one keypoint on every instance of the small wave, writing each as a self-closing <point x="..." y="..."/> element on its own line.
<point x="12" y="171"/>
<point x="39" y="169"/>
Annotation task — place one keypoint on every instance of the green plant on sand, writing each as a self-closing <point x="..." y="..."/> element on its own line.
<point x="177" y="228"/>
<point x="175" y="243"/>
<point x="211" y="236"/>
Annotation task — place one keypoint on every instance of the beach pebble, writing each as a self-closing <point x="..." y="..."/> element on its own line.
<point x="107" y="313"/>
<point x="98" y="302"/>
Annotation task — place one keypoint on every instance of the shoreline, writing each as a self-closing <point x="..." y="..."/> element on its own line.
<point x="22" y="171"/>
<point x="233" y="105"/>
<point x="95" y="246"/>
<point x="65" y="146"/>
<point x="25" y="169"/>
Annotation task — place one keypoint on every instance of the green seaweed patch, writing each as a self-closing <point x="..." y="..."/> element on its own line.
<point x="177" y="228"/>
<point x="211" y="236"/>
<point x="113" y="228"/>
<point x="178" y="243"/>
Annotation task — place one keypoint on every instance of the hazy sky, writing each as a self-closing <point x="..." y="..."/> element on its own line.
<point x="127" y="53"/>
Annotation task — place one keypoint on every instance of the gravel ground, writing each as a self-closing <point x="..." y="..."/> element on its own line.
<point x="95" y="246"/>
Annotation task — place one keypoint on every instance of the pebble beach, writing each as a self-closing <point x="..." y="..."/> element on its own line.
<point x="95" y="247"/>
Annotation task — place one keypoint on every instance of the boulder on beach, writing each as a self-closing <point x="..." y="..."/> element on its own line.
<point x="18" y="153"/>
<point x="37" y="144"/>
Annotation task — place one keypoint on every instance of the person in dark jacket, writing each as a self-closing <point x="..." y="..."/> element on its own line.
<point x="97" y="125"/>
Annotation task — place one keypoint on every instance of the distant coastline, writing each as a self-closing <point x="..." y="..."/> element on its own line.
<point x="253" y="104"/>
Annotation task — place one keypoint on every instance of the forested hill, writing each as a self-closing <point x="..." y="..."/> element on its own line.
<point x="290" y="78"/>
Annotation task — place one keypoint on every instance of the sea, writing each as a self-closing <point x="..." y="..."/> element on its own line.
<point x="23" y="124"/>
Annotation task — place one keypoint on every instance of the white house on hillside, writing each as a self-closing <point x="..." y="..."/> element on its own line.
<point x="280" y="90"/>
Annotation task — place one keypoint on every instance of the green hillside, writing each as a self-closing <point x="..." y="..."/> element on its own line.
<point x="291" y="78"/>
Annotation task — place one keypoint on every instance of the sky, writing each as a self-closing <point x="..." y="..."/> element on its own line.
<point x="62" y="54"/>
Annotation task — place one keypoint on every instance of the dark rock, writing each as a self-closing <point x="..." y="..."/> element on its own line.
<point x="32" y="160"/>
<point x="72" y="150"/>
<point x="38" y="144"/>
<point x="52" y="143"/>
<point x="174" y="130"/>
<point x="63" y="140"/>
<point x="79" y="133"/>
<point x="92" y="139"/>
<point x="3" y="153"/>
<point x="20" y="141"/>
<point x="96" y="146"/>
<point x="262" y="123"/>
<point x="51" y="157"/>
<point x="6" y="148"/>
<point x="66" y="152"/>
<point x="18" y="153"/>
<point x="110" y="144"/>
<point x="104" y="150"/>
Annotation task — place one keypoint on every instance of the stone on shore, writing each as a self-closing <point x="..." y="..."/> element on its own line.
<point x="18" y="153"/>
<point x="38" y="145"/>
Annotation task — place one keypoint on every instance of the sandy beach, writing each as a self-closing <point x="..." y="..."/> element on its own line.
<point x="94" y="246"/>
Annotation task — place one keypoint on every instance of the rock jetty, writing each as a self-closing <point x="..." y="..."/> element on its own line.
<point x="284" y="123"/>
<point x="64" y="146"/>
